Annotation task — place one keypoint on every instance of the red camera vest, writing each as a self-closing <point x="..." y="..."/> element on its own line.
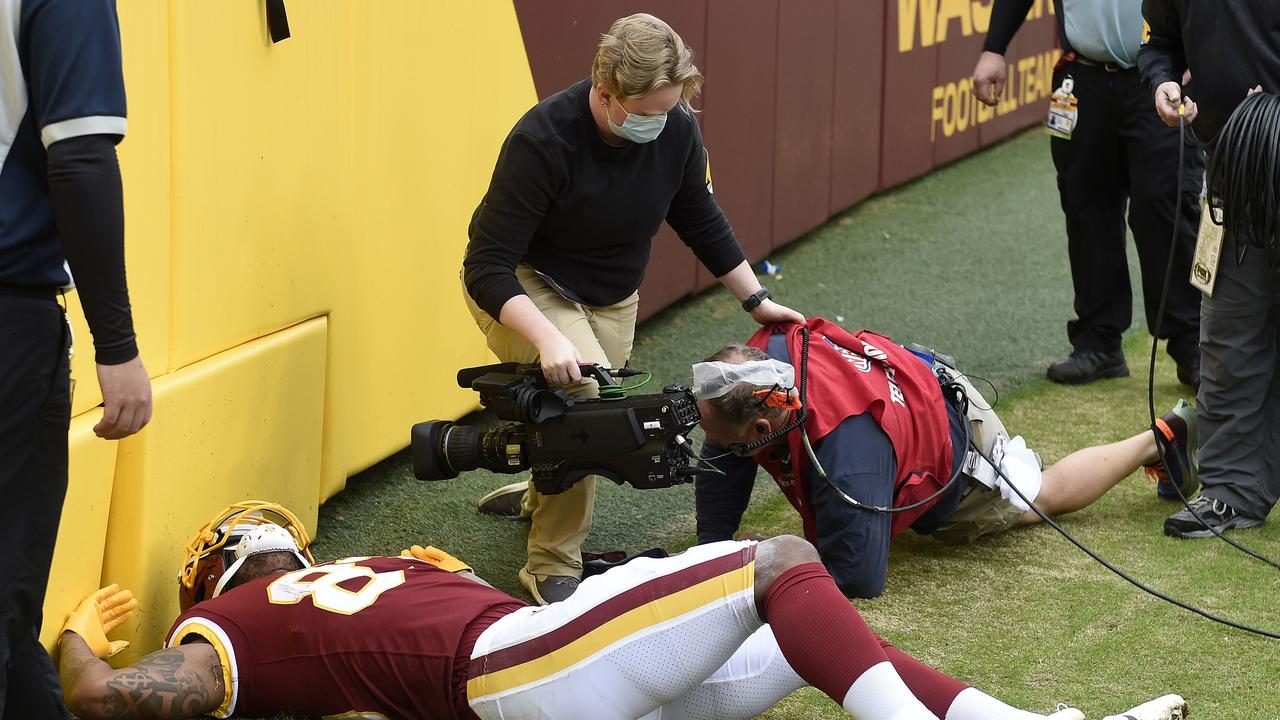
<point x="853" y="373"/>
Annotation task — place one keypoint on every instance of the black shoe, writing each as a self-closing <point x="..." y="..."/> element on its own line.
<point x="507" y="501"/>
<point x="1185" y="351"/>
<point x="1189" y="373"/>
<point x="1085" y="366"/>
<point x="547" y="589"/>
<point x="1216" y="513"/>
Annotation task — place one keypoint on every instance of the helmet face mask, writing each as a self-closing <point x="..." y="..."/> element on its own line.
<point x="236" y="533"/>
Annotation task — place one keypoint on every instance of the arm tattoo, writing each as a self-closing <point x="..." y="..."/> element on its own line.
<point x="162" y="687"/>
<point x="75" y="658"/>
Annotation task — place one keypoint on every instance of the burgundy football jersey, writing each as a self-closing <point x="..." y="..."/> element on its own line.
<point x="356" y="638"/>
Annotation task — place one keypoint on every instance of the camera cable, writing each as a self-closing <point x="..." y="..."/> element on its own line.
<point x="1124" y="575"/>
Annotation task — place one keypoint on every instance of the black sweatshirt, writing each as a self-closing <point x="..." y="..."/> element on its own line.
<point x="584" y="212"/>
<point x="84" y="184"/>
<point x="1229" y="45"/>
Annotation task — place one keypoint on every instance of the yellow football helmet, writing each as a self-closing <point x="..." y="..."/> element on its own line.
<point x="238" y="531"/>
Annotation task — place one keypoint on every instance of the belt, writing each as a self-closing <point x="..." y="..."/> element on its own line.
<point x="35" y="293"/>
<point x="1109" y="66"/>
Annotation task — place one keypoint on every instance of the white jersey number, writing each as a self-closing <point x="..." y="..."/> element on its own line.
<point x="322" y="585"/>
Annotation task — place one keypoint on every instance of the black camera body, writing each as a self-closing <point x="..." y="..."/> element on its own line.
<point x="638" y="439"/>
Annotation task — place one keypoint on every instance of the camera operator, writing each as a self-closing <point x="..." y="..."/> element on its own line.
<point x="1230" y="48"/>
<point x="891" y="430"/>
<point x="559" y="244"/>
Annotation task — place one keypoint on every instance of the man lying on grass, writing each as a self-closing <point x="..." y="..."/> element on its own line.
<point x="266" y="631"/>
<point x="887" y="427"/>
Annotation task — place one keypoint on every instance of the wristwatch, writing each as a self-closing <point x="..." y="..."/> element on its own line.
<point x="759" y="296"/>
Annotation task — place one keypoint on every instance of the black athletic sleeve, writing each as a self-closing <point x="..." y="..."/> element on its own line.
<point x="1007" y="17"/>
<point x="88" y="202"/>
<point x="523" y="186"/>
<point x="696" y="216"/>
<point x="1161" y="58"/>
<point x="720" y="500"/>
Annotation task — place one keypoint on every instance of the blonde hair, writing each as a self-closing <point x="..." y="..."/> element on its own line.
<point x="640" y="54"/>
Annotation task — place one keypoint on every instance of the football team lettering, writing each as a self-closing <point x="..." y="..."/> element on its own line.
<point x="323" y="585"/>
<point x="863" y="364"/>
<point x="931" y="22"/>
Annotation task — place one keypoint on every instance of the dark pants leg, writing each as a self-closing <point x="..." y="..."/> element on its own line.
<point x="1092" y="188"/>
<point x="852" y="542"/>
<point x="1238" y="406"/>
<point x="1151" y="151"/>
<point x="35" y="409"/>
<point x="721" y="499"/>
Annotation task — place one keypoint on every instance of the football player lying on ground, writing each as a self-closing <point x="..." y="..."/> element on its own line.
<point x="421" y="637"/>
<point x="886" y="426"/>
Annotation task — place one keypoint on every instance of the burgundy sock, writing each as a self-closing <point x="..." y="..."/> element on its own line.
<point x="936" y="690"/>
<point x="821" y="635"/>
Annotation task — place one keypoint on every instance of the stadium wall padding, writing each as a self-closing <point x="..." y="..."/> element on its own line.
<point x="296" y="216"/>
<point x="244" y="423"/>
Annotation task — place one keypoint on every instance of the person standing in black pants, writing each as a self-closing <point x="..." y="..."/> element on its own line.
<point x="1109" y="149"/>
<point x="60" y="205"/>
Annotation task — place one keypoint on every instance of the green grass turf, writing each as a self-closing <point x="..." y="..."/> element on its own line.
<point x="971" y="260"/>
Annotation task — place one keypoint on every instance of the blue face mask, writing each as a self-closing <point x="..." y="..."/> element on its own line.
<point x="637" y="128"/>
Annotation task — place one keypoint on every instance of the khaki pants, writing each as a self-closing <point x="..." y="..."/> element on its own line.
<point x="982" y="511"/>
<point x="604" y="335"/>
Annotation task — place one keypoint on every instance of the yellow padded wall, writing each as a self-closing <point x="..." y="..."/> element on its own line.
<point x="436" y="86"/>
<point x="335" y="173"/>
<point x="243" y="424"/>
<point x="260" y="165"/>
<point x="77" y="560"/>
<point x="144" y="169"/>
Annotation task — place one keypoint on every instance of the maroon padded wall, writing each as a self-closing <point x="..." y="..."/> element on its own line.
<point x="802" y="143"/>
<point x="906" y="149"/>
<point x="809" y="105"/>
<point x="857" y="89"/>
<point x="956" y="58"/>
<point x="738" y="119"/>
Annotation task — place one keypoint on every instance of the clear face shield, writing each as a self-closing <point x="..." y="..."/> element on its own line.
<point x="716" y="378"/>
<point x="774" y="382"/>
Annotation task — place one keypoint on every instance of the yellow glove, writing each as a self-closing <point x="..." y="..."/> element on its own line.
<point x="437" y="557"/>
<point x="100" y="613"/>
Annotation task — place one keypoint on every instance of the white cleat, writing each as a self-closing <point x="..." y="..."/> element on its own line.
<point x="1066" y="713"/>
<point x="1169" y="707"/>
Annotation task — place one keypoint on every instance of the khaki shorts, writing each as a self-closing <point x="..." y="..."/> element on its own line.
<point x="982" y="510"/>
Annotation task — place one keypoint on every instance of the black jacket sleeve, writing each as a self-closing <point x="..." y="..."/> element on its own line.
<point x="1007" y="17"/>
<point x="523" y="186"/>
<point x="1162" y="58"/>
<point x="696" y="216"/>
<point x="720" y="500"/>
<point x="88" y="203"/>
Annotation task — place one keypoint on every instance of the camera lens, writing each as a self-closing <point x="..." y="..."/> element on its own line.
<point x="442" y="449"/>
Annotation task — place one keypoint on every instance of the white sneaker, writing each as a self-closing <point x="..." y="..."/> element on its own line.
<point x="1169" y="707"/>
<point x="1066" y="713"/>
